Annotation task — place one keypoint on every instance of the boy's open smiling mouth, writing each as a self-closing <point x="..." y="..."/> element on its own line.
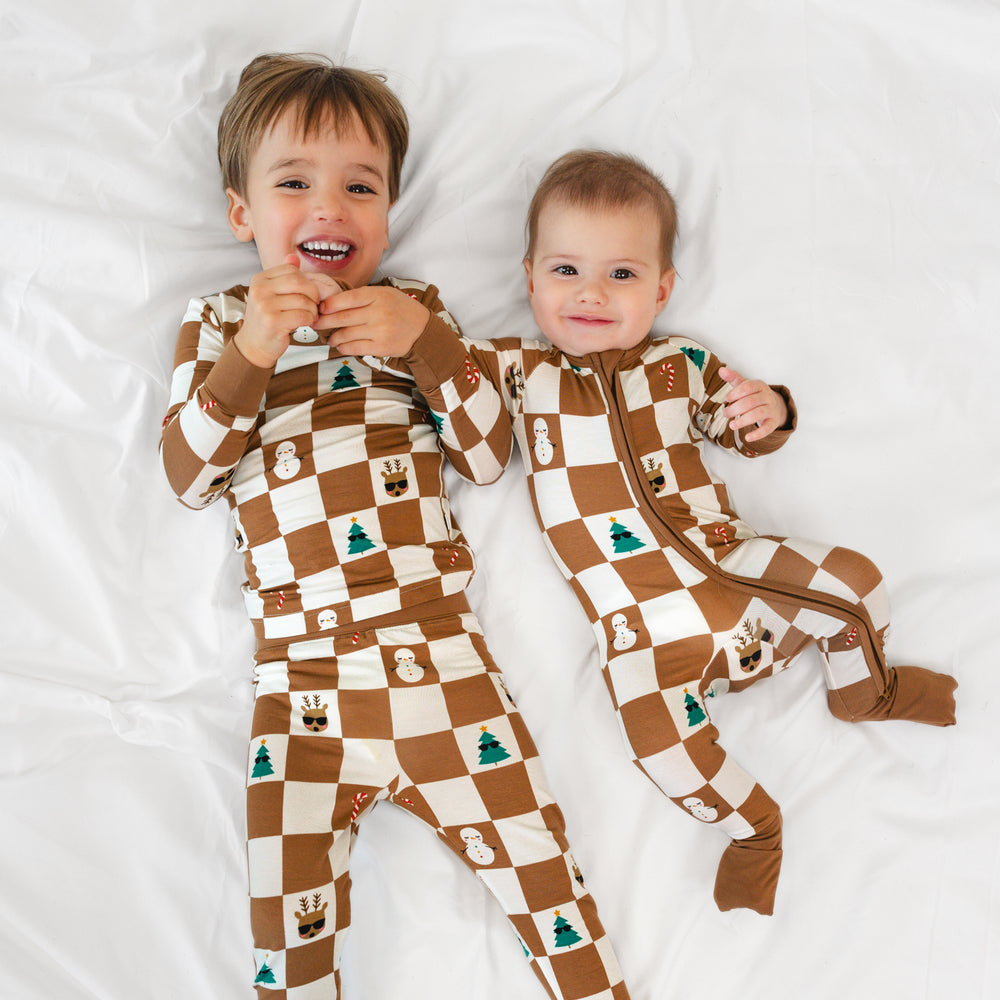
<point x="326" y="251"/>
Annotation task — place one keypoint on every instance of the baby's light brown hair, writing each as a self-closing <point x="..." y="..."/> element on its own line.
<point x="320" y="93"/>
<point x="598" y="179"/>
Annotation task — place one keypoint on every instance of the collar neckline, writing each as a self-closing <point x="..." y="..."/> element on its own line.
<point x="611" y="358"/>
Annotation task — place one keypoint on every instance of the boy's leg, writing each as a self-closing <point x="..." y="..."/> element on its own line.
<point x="470" y="770"/>
<point x="850" y="631"/>
<point x="306" y="792"/>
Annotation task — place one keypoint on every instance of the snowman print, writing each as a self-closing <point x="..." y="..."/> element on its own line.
<point x="475" y="849"/>
<point x="698" y="809"/>
<point x="287" y="465"/>
<point x="543" y="447"/>
<point x="327" y="618"/>
<point x="406" y="667"/>
<point x="305" y="335"/>
<point x="625" y="637"/>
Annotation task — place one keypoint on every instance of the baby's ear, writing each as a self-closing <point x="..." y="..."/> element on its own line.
<point x="665" y="287"/>
<point x="527" y="270"/>
<point x="238" y="215"/>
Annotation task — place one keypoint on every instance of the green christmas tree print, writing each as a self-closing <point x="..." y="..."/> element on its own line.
<point x="262" y="762"/>
<point x="344" y="379"/>
<point x="697" y="357"/>
<point x="357" y="540"/>
<point x="266" y="974"/>
<point x="437" y="421"/>
<point x="491" y="750"/>
<point x="622" y="539"/>
<point x="565" y="935"/>
<point x="693" y="709"/>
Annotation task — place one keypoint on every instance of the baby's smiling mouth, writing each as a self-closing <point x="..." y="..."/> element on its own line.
<point x="325" y="250"/>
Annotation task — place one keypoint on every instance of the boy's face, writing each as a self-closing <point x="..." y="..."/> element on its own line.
<point x="595" y="281"/>
<point x="323" y="198"/>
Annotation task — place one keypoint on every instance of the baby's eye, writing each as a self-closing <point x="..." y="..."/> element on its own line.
<point x="567" y="269"/>
<point x="297" y="185"/>
<point x="621" y="273"/>
<point x="360" y="189"/>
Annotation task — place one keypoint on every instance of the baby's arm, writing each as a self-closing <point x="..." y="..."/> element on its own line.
<point x="214" y="401"/>
<point x="727" y="403"/>
<point x="461" y="380"/>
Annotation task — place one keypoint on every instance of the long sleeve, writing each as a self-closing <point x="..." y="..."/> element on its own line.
<point x="709" y="391"/>
<point x="462" y="383"/>
<point x="214" y="402"/>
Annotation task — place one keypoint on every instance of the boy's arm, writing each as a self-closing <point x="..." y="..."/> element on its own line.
<point x="460" y="380"/>
<point x="214" y="401"/>
<point x="729" y="406"/>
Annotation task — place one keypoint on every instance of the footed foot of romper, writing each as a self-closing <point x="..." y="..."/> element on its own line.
<point x="914" y="694"/>
<point x="748" y="872"/>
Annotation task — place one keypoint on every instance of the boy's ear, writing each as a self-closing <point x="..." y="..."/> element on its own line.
<point x="527" y="270"/>
<point x="665" y="287"/>
<point x="238" y="215"/>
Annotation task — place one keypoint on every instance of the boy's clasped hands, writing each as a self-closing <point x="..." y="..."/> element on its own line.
<point x="372" y="320"/>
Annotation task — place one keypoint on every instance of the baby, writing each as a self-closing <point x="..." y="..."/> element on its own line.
<point x="686" y="600"/>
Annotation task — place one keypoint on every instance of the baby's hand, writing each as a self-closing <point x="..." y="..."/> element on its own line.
<point x="279" y="300"/>
<point x="753" y="402"/>
<point x="375" y="319"/>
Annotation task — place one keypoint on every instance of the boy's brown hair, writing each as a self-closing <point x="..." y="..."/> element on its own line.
<point x="594" y="178"/>
<point x="319" y="92"/>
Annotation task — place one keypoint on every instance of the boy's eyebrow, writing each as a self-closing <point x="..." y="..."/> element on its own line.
<point x="287" y="163"/>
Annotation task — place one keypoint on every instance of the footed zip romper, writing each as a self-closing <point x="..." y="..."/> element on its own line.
<point x="373" y="681"/>
<point x="685" y="599"/>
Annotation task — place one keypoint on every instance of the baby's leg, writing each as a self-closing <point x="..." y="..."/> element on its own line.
<point x="479" y="784"/>
<point x="674" y="742"/>
<point x="836" y="597"/>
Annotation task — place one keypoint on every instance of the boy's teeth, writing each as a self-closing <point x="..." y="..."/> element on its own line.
<point x="326" y="250"/>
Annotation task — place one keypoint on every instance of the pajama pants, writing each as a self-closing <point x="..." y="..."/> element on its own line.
<point x="689" y="637"/>
<point x="416" y="714"/>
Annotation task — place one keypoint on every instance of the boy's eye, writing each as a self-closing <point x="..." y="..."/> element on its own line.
<point x="565" y="269"/>
<point x="621" y="273"/>
<point x="360" y="189"/>
<point x="297" y="185"/>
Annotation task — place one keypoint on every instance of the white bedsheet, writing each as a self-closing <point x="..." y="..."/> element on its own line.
<point x="836" y="168"/>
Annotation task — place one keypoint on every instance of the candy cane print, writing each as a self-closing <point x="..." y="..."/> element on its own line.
<point x="471" y="371"/>
<point x="357" y="800"/>
<point x="668" y="369"/>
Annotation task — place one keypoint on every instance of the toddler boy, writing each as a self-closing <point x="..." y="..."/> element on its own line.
<point x="372" y="677"/>
<point x="686" y="600"/>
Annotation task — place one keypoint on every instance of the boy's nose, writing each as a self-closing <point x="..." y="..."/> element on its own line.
<point x="328" y="206"/>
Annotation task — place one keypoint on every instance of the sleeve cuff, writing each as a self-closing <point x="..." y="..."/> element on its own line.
<point x="235" y="384"/>
<point x="436" y="356"/>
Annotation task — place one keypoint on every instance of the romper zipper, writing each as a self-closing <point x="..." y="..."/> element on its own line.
<point x="608" y="378"/>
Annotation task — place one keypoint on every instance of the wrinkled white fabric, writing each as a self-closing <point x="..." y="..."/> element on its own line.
<point x="835" y="166"/>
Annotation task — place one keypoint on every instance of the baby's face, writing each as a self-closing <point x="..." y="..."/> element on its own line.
<point x="595" y="281"/>
<point x="322" y="197"/>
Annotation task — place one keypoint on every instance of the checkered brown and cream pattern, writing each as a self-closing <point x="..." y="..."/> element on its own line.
<point x="686" y="600"/>
<point x="417" y="715"/>
<point x="333" y="475"/>
<point x="330" y="466"/>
